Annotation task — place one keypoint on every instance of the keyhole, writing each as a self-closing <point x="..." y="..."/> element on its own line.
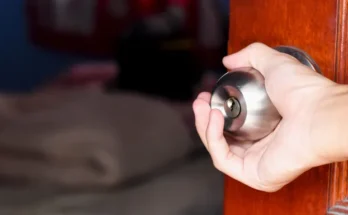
<point x="233" y="107"/>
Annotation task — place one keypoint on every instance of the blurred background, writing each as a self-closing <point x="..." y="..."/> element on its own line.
<point x="95" y="106"/>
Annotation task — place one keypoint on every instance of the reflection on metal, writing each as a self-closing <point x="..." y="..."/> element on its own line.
<point x="241" y="97"/>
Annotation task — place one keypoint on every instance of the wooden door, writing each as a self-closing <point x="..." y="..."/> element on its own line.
<point x="319" y="27"/>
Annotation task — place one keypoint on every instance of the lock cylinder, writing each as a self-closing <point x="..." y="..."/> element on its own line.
<point x="240" y="95"/>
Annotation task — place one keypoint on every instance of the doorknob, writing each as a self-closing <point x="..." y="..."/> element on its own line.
<point x="242" y="99"/>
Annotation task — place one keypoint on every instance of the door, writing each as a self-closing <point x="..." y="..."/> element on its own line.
<point x="319" y="27"/>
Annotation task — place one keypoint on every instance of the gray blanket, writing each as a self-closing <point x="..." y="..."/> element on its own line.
<point x="194" y="188"/>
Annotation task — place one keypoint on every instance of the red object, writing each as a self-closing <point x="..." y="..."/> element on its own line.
<point x="107" y="28"/>
<point x="146" y="7"/>
<point x="97" y="43"/>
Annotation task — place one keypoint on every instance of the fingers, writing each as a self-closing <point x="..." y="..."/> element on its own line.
<point x="223" y="158"/>
<point x="210" y="127"/>
<point x="205" y="96"/>
<point x="283" y="73"/>
<point x="258" y="56"/>
<point x="216" y="141"/>
<point x="201" y="109"/>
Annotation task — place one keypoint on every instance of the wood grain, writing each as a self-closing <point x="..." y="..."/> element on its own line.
<point x="306" y="195"/>
<point x="338" y="192"/>
<point x="309" y="25"/>
<point x="319" y="27"/>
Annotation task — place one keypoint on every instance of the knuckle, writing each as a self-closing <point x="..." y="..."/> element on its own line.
<point x="195" y="104"/>
<point x="268" y="188"/>
<point x="256" y="45"/>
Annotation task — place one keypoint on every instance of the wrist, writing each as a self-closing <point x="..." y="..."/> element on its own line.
<point x="329" y="130"/>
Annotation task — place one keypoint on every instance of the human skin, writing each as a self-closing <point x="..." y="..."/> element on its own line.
<point x="312" y="131"/>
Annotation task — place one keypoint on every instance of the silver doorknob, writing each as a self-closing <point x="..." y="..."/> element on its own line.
<point x="242" y="98"/>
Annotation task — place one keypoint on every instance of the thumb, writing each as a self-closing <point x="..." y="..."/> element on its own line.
<point x="283" y="73"/>
<point x="260" y="57"/>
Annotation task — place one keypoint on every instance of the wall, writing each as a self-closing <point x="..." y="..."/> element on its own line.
<point x="22" y="65"/>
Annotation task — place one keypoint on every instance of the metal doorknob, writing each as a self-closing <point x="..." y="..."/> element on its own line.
<point x="243" y="100"/>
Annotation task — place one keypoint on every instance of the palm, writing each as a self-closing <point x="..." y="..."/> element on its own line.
<point x="287" y="152"/>
<point x="268" y="164"/>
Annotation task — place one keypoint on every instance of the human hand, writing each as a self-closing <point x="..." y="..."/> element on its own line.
<point x="291" y="149"/>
